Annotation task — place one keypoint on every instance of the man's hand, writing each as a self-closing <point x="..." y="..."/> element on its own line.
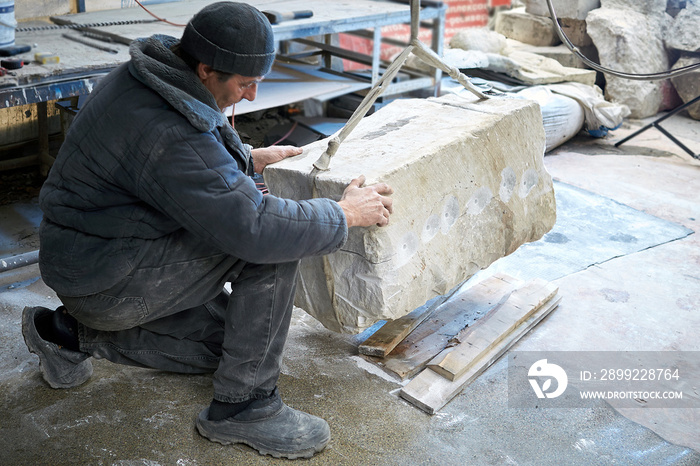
<point x="264" y="156"/>
<point x="368" y="205"/>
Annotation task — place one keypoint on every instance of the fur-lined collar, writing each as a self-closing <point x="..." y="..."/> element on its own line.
<point x="155" y="65"/>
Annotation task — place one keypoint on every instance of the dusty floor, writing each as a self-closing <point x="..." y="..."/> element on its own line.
<point x="647" y="300"/>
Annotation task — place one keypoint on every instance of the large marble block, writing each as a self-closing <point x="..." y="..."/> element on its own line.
<point x="469" y="187"/>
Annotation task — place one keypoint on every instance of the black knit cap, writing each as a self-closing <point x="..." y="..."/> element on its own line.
<point x="231" y="37"/>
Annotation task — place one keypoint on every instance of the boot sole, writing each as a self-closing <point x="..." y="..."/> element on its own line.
<point x="263" y="450"/>
<point x="30" y="334"/>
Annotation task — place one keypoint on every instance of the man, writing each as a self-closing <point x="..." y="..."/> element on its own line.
<point x="150" y="209"/>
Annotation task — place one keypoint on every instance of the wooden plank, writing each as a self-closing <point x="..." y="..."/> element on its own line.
<point x="384" y="340"/>
<point x="522" y="303"/>
<point x="430" y="391"/>
<point x="462" y="311"/>
<point x="41" y="8"/>
<point x="76" y="60"/>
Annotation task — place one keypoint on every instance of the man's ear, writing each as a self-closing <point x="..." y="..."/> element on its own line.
<point x="204" y="72"/>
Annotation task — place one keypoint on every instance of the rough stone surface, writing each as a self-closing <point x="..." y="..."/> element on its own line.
<point x="458" y="58"/>
<point x="647" y="7"/>
<point x="469" y="187"/>
<point x="532" y="29"/>
<point x="560" y="53"/>
<point x="532" y="68"/>
<point x="632" y="42"/>
<point x="572" y="9"/>
<point x="575" y="30"/>
<point x="688" y="85"/>
<point x="571" y="15"/>
<point x="684" y="33"/>
<point x="480" y="39"/>
<point x="515" y="61"/>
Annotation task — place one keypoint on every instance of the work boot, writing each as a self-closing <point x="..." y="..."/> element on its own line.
<point x="271" y="427"/>
<point x="60" y="366"/>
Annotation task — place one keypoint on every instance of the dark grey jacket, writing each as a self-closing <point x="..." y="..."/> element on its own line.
<point x="150" y="154"/>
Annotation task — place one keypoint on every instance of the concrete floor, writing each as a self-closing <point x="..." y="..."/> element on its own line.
<point x="648" y="300"/>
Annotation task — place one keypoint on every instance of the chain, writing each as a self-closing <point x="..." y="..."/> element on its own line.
<point x="81" y="26"/>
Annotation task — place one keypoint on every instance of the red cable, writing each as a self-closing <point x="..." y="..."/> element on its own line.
<point x="156" y="17"/>
<point x="286" y="135"/>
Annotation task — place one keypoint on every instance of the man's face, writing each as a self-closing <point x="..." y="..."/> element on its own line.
<point x="230" y="91"/>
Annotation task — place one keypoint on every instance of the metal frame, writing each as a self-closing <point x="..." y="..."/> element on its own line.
<point x="656" y="124"/>
<point x="44" y="92"/>
<point x="42" y="89"/>
<point x="431" y="17"/>
<point x="50" y="88"/>
<point x="424" y="53"/>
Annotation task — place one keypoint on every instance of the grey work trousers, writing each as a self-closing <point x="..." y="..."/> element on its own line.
<point x="172" y="313"/>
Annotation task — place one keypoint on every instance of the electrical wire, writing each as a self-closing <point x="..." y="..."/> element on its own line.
<point x="97" y="25"/>
<point x="289" y="133"/>
<point x="157" y="17"/>
<point x="602" y="69"/>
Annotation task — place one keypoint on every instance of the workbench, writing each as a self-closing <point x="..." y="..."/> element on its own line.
<point x="361" y="17"/>
<point x="82" y="66"/>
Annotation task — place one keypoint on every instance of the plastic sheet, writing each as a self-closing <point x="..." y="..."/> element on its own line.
<point x="562" y="116"/>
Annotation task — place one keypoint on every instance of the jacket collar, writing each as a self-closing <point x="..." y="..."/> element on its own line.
<point x="156" y="66"/>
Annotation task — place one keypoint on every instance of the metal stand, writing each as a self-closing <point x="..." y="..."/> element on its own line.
<point x="656" y="124"/>
<point x="421" y="51"/>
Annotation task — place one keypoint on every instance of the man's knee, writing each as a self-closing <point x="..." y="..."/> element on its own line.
<point x="107" y="313"/>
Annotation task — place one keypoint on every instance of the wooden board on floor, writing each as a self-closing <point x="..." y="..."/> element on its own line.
<point x="430" y="391"/>
<point x="384" y="340"/>
<point x="456" y="314"/>
<point x="452" y="363"/>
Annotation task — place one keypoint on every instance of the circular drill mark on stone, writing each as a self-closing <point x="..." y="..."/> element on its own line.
<point x="431" y="228"/>
<point x="529" y="181"/>
<point x="479" y="201"/>
<point x="508" y="182"/>
<point x="450" y="213"/>
<point x="407" y="248"/>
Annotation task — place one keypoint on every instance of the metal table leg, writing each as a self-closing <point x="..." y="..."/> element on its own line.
<point x="45" y="159"/>
<point x="656" y="124"/>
